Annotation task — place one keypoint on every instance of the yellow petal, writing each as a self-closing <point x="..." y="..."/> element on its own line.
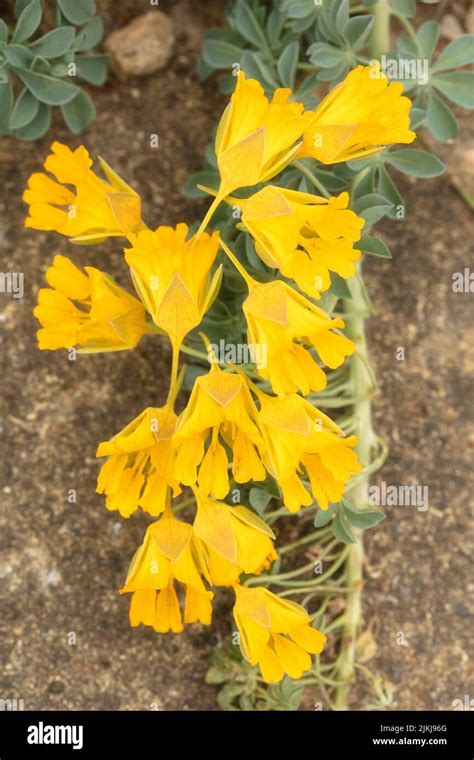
<point x="293" y="658"/>
<point x="142" y="607"/>
<point x="198" y="607"/>
<point x="213" y="476"/>
<point x="168" y="613"/>
<point x="270" y="666"/>
<point x="309" y="638"/>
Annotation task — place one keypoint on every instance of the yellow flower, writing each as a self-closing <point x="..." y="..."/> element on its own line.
<point x="304" y="235"/>
<point x="167" y="554"/>
<point x="299" y="438"/>
<point x="139" y="468"/>
<point x="220" y="405"/>
<point x="285" y="322"/>
<point x="107" y="318"/>
<point x="357" y="118"/>
<point x="277" y="316"/>
<point x="275" y="634"/>
<point x="255" y="138"/>
<point x="96" y="210"/>
<point x="233" y="540"/>
<point x="172" y="274"/>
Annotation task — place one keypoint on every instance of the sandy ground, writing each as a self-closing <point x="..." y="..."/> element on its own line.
<point x="65" y="638"/>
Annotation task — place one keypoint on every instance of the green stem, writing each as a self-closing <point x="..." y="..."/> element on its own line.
<point x="312" y="178"/>
<point x="362" y="380"/>
<point x="208" y="215"/>
<point x="318" y="590"/>
<point x="174" y="373"/>
<point x="380" y="40"/>
<point x="317" y="535"/>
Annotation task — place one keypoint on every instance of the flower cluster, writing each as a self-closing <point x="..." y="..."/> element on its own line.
<point x="230" y="429"/>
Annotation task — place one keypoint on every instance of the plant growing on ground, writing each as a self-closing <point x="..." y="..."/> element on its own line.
<point x="40" y="72"/>
<point x="280" y="276"/>
<point x="310" y="47"/>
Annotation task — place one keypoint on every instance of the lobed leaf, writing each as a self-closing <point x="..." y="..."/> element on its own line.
<point x="459" y="52"/>
<point x="440" y="119"/>
<point x="457" y="86"/>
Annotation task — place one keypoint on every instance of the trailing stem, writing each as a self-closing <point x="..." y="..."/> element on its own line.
<point x="380" y="41"/>
<point x="361" y="380"/>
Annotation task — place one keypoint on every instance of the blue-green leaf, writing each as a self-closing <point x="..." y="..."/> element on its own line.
<point x="248" y="26"/>
<point x="416" y="163"/>
<point x="388" y="189"/>
<point x="417" y="117"/>
<point x="371" y="207"/>
<point x="207" y="178"/>
<point x="77" y="11"/>
<point x="79" y="112"/>
<point x="53" y="92"/>
<point x="20" y="6"/>
<point x="373" y="246"/>
<point x="427" y="36"/>
<point x="306" y="93"/>
<point x="259" y="499"/>
<point x="274" y="26"/>
<point x="92" y="68"/>
<point x="54" y="43"/>
<point x="90" y="34"/>
<point x="406" y="47"/>
<point x="342" y="14"/>
<point x="362" y="518"/>
<point x="339" y="286"/>
<point x="335" y="73"/>
<point x="458" y="86"/>
<point x="3" y="31"/>
<point x="440" y="119"/>
<point x="28" y="21"/>
<point x="220" y="54"/>
<point x="297" y="8"/>
<point x="342" y="529"/>
<point x="357" y="30"/>
<point x="6" y="99"/>
<point x="59" y="69"/>
<point x="24" y="110"/>
<point x="404" y="7"/>
<point x="323" y="516"/>
<point x="18" y="56"/>
<point x="459" y="52"/>
<point x="286" y="66"/>
<point x="325" y="55"/>
<point x="38" y="127"/>
<point x="255" y="67"/>
<point x="40" y="65"/>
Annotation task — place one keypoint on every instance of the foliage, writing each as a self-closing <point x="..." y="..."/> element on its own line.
<point x="310" y="47"/>
<point x="45" y="66"/>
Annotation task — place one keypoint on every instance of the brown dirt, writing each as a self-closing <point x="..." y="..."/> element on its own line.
<point x="62" y="563"/>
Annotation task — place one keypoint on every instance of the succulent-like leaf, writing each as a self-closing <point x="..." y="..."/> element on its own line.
<point x="24" y="110"/>
<point x="47" y="89"/>
<point x="79" y="112"/>
<point x="28" y="21"/>
<point x="55" y="43"/>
